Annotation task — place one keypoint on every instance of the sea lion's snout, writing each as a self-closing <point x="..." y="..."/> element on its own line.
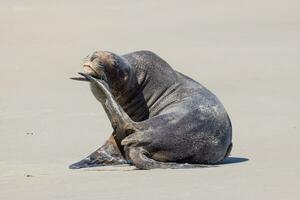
<point x="95" y="63"/>
<point x="92" y="69"/>
<point x="108" y="67"/>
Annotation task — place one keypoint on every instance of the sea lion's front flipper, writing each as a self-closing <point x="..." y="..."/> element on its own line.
<point x="103" y="160"/>
<point x="108" y="154"/>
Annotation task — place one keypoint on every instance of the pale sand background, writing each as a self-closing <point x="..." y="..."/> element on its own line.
<point x="246" y="52"/>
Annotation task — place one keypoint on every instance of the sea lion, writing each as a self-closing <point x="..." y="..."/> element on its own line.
<point x="161" y="118"/>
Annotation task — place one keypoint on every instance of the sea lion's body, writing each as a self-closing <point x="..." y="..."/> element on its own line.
<point x="171" y="119"/>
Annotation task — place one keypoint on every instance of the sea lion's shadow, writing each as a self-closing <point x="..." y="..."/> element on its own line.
<point x="127" y="167"/>
<point x="233" y="160"/>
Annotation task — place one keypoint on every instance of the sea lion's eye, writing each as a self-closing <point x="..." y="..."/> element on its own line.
<point x="93" y="57"/>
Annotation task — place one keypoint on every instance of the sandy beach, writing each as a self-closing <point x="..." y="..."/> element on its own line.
<point x="246" y="52"/>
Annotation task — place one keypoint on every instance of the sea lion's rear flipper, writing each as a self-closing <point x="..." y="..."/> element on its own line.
<point x="116" y="114"/>
<point x="121" y="122"/>
<point x="141" y="160"/>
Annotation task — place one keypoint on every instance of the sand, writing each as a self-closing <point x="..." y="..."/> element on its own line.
<point x="246" y="52"/>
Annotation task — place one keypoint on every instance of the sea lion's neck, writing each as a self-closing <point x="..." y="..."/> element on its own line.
<point x="130" y="97"/>
<point x="147" y="87"/>
<point x="157" y="83"/>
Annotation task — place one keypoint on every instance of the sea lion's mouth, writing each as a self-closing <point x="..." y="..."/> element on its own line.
<point x="89" y="70"/>
<point x="85" y="75"/>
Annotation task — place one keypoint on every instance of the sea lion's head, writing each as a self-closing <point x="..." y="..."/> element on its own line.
<point x="109" y="67"/>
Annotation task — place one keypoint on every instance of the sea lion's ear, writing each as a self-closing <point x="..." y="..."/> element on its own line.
<point x="107" y="58"/>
